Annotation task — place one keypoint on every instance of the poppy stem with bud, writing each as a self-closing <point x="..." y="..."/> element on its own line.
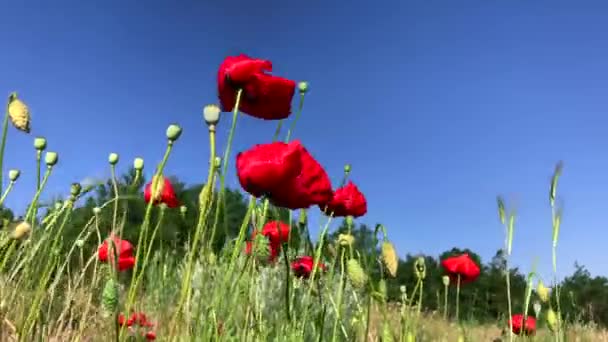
<point x="11" y="97"/>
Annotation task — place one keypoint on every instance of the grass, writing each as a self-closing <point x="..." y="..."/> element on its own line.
<point x="232" y="296"/>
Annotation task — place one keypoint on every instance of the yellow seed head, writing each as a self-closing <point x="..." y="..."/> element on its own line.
<point x="22" y="230"/>
<point x="542" y="291"/>
<point x="390" y="258"/>
<point x="345" y="240"/>
<point x="356" y="274"/>
<point x="19" y="114"/>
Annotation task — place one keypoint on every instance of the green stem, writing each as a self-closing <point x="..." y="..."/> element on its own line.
<point x="287" y="283"/>
<point x="297" y="116"/>
<point x="5" y="194"/>
<point x="115" y="187"/>
<point x="45" y="179"/>
<point x="3" y="145"/>
<point x="445" y="302"/>
<point x="458" y="299"/>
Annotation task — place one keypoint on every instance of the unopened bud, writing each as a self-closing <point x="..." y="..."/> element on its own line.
<point x="79" y="243"/>
<point x="345" y="240"/>
<point x="303" y="87"/>
<point x="420" y="268"/>
<point x="113" y="158"/>
<point x="40" y="143"/>
<point x="19" y="113"/>
<point x="446" y="280"/>
<point x="138" y="164"/>
<point x="13" y="175"/>
<point x="211" y="114"/>
<point x="217" y="163"/>
<point x="97" y="210"/>
<point x="51" y="158"/>
<point x="173" y="132"/>
<point x="183" y="209"/>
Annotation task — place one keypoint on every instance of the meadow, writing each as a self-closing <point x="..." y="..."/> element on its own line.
<point x="132" y="259"/>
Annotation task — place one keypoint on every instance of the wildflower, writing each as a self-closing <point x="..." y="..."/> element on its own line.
<point x="263" y="96"/>
<point x="163" y="193"/>
<point x="462" y="266"/>
<point x="302" y="266"/>
<point x="139" y="321"/>
<point x="126" y="260"/>
<point x="277" y="232"/>
<point x="518" y="326"/>
<point x="286" y="173"/>
<point x="346" y="201"/>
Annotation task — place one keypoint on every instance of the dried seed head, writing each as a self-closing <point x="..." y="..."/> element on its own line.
<point x="389" y="258"/>
<point x="109" y="297"/>
<point x="420" y="268"/>
<point x="551" y="319"/>
<point x="13" y="175"/>
<point x="211" y="114"/>
<point x="446" y="280"/>
<point x="21" y="231"/>
<point x="40" y="143"/>
<point x="346" y="240"/>
<point x="51" y="158"/>
<point x="19" y="113"/>
<point x="113" y="158"/>
<point x="173" y="132"/>
<point x="542" y="291"/>
<point x="303" y="87"/>
<point x="356" y="274"/>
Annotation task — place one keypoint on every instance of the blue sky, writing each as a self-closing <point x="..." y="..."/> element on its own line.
<point x="438" y="105"/>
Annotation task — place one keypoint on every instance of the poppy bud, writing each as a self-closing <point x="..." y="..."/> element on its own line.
<point x="173" y="132"/>
<point x="389" y="258"/>
<point x="183" y="209"/>
<point x="211" y="114"/>
<point x="19" y="113"/>
<point x="542" y="291"/>
<point x="402" y="289"/>
<point x="446" y="280"/>
<point x="217" y="163"/>
<point x="113" y="158"/>
<point x="75" y="189"/>
<point x="21" y="230"/>
<point x="13" y="175"/>
<point x="303" y="87"/>
<point x="347" y="168"/>
<point x="109" y="297"/>
<point x="51" y="158"/>
<point x="551" y="319"/>
<point x="356" y="274"/>
<point x="349" y="221"/>
<point x="97" y="210"/>
<point x="79" y="243"/>
<point x="40" y="143"/>
<point x="138" y="164"/>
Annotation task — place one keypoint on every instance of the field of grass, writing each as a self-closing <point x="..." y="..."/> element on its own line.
<point x="257" y="287"/>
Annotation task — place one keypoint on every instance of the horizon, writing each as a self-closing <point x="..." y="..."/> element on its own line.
<point x="438" y="107"/>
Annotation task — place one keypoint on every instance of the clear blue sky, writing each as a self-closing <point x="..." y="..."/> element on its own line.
<point x="438" y="105"/>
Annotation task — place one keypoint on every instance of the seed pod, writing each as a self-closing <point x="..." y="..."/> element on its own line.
<point x="551" y="319"/>
<point x="303" y="87"/>
<point x="345" y="240"/>
<point x="138" y="164"/>
<point x="420" y="268"/>
<point x="390" y="258"/>
<point x="113" y="158"/>
<point x="356" y="274"/>
<point x="13" y="175"/>
<point x="446" y="280"/>
<point x="19" y="114"/>
<point x="211" y="114"/>
<point x="173" y="132"/>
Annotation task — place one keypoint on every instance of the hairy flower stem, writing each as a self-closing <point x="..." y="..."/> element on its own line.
<point x="340" y="294"/>
<point x="296" y="117"/>
<point x="225" y="160"/>
<point x="458" y="299"/>
<point x="6" y="192"/>
<point x="45" y="179"/>
<point x="38" y="158"/>
<point x="287" y="283"/>
<point x="3" y="143"/>
<point x="115" y="188"/>
<point x="143" y="233"/>
<point x="445" y="301"/>
<point x="508" y="281"/>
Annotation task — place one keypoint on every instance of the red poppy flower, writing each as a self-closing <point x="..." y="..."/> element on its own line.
<point x="346" y="201"/>
<point x="126" y="260"/>
<point x="263" y="96"/>
<point x="265" y="167"/>
<point x="150" y="336"/>
<point x="462" y="266"/>
<point x="164" y="194"/>
<point x="312" y="186"/>
<point x="277" y="232"/>
<point x="302" y="266"/>
<point x="517" y="321"/>
<point x="138" y="319"/>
